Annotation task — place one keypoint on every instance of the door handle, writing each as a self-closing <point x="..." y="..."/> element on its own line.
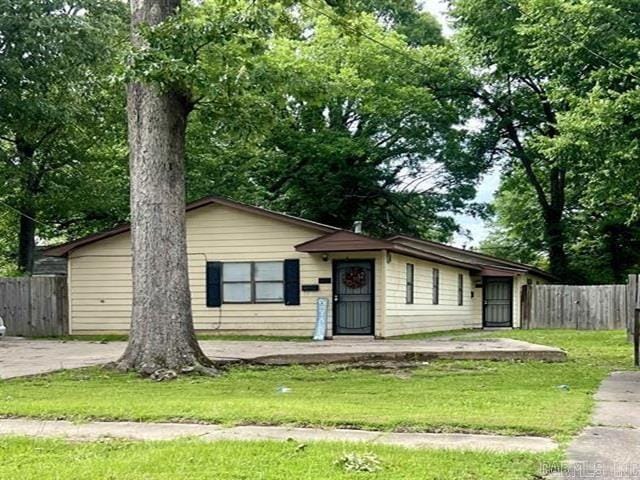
<point x="336" y="298"/>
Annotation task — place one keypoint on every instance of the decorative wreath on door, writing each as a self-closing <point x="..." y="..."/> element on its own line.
<point x="355" y="278"/>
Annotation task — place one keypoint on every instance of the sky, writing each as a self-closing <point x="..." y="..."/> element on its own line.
<point x="476" y="228"/>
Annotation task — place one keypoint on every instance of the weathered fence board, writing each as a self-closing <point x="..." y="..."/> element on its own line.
<point x="583" y="307"/>
<point x="34" y="306"/>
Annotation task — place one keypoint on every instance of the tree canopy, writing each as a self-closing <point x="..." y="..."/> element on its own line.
<point x="339" y="111"/>
<point x="62" y="154"/>
<point x="351" y="131"/>
<point x="559" y="99"/>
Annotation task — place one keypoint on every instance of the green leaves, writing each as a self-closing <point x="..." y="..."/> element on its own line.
<point x="60" y="115"/>
<point x="205" y="48"/>
<point x="563" y="75"/>
<point x="338" y="116"/>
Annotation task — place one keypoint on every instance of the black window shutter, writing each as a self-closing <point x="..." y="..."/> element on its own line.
<point x="292" y="282"/>
<point x="214" y="281"/>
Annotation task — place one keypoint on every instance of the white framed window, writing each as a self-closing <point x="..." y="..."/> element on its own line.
<point x="253" y="282"/>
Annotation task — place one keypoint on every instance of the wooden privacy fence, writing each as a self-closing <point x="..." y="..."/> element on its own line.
<point x="582" y="307"/>
<point x="34" y="306"/>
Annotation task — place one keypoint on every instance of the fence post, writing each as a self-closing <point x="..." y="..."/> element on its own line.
<point x="524" y="307"/>
<point x="632" y="299"/>
<point x="636" y="337"/>
<point x="634" y="296"/>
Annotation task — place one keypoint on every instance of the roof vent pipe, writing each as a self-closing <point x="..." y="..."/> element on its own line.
<point x="357" y="226"/>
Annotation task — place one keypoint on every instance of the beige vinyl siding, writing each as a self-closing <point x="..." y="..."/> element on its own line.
<point x="518" y="282"/>
<point x="477" y="303"/>
<point x="423" y="316"/>
<point x="100" y="276"/>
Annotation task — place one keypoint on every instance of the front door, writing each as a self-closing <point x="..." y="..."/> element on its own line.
<point x="353" y="297"/>
<point x="498" y="302"/>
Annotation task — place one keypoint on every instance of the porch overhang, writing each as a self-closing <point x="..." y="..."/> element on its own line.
<point x="345" y="241"/>
<point x="501" y="272"/>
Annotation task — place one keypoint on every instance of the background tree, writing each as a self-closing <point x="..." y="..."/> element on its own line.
<point x="61" y="148"/>
<point x="536" y="61"/>
<point x="349" y="130"/>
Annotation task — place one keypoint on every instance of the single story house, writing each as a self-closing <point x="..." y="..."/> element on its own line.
<point x="256" y="271"/>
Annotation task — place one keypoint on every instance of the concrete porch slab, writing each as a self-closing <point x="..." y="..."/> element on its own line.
<point x="268" y="353"/>
<point x="21" y="357"/>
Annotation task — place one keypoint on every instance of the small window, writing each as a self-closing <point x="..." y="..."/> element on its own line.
<point x="409" y="275"/>
<point x="252" y="282"/>
<point x="460" y="289"/>
<point x="436" y="286"/>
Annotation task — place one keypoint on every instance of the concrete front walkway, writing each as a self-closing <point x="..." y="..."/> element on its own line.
<point x="169" y="431"/>
<point x="610" y="448"/>
<point x="20" y="357"/>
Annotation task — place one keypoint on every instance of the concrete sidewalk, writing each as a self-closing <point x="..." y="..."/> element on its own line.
<point x="21" y="357"/>
<point x="168" y="431"/>
<point x="610" y="448"/>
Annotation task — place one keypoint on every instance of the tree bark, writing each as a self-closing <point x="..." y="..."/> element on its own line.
<point x="30" y="187"/>
<point x="162" y="335"/>
<point x="26" y="241"/>
<point x="554" y="232"/>
<point x="554" y="225"/>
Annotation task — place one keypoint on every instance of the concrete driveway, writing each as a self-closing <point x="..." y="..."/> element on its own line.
<point x="21" y="357"/>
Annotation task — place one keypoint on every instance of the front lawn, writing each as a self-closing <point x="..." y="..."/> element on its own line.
<point x="28" y="459"/>
<point x="552" y="399"/>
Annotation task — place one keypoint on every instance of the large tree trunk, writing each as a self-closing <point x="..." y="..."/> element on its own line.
<point x="162" y="334"/>
<point x="554" y="230"/>
<point x="554" y="225"/>
<point x="30" y="187"/>
<point x="26" y="241"/>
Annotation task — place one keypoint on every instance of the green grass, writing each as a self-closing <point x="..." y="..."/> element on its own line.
<point x="27" y="459"/>
<point x="504" y="397"/>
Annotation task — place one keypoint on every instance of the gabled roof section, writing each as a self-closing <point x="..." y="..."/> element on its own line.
<point x="64" y="249"/>
<point x="343" y="241"/>
<point x="346" y="241"/>
<point x="433" y="257"/>
<point x="488" y="263"/>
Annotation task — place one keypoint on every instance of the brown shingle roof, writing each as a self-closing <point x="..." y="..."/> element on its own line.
<point x="65" y="248"/>
<point x="487" y="262"/>
<point x="345" y="241"/>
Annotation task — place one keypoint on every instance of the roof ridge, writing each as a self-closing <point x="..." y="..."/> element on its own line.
<point x="64" y="248"/>
<point x="504" y="262"/>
